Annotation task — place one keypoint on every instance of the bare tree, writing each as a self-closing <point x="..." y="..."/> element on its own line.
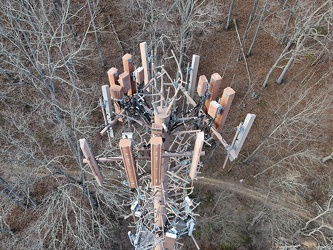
<point x="250" y="21"/>
<point x="195" y="16"/>
<point x="45" y="108"/>
<point x="227" y="26"/>
<point x="287" y="163"/>
<point x="249" y="52"/>
<point x="300" y="117"/>
<point x="93" y="13"/>
<point x="329" y="157"/>
<point x="173" y="26"/>
<point x="308" y="35"/>
<point x="7" y="237"/>
<point x="320" y="227"/>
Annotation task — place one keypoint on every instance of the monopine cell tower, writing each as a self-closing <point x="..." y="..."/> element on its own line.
<point x="173" y="118"/>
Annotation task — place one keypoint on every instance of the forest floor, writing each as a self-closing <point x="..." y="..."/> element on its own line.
<point x="238" y="211"/>
<point x="257" y="195"/>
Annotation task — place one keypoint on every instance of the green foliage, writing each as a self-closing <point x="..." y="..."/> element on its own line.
<point x="228" y="247"/>
<point x="310" y="56"/>
<point x="43" y="138"/>
<point x="320" y="30"/>
<point x="261" y="103"/>
<point x="330" y="183"/>
<point x="232" y="24"/>
<point x="246" y="238"/>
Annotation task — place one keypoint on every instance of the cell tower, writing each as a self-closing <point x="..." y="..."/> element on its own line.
<point x="173" y="123"/>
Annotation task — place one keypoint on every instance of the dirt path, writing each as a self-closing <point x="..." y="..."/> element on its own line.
<point x="274" y="202"/>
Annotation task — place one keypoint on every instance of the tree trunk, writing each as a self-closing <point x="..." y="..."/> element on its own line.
<point x="284" y="36"/>
<point x="283" y="53"/>
<point x="286" y="68"/>
<point x="248" y="27"/>
<point x="257" y="30"/>
<point x="229" y="14"/>
<point x="95" y="32"/>
<point x="291" y="59"/>
<point x="327" y="158"/>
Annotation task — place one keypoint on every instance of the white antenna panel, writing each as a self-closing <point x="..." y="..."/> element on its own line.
<point x="244" y="130"/>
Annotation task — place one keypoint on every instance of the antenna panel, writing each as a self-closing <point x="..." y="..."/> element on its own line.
<point x="226" y="100"/>
<point x="107" y="102"/>
<point x="202" y="85"/>
<point x="193" y="74"/>
<point x="214" y="85"/>
<point x="129" y="162"/>
<point x="244" y="131"/>
<point x="196" y="154"/>
<point x="144" y="59"/>
<point x="214" y="109"/>
<point x="125" y="81"/>
<point x="91" y="161"/>
<point x="156" y="160"/>
<point x="113" y="76"/>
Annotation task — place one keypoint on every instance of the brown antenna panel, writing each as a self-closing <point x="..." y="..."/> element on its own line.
<point x="215" y="82"/>
<point x="113" y="76"/>
<point x="117" y="92"/>
<point x="170" y="241"/>
<point x="214" y="109"/>
<point x="196" y="154"/>
<point x="129" y="68"/>
<point x="202" y="85"/>
<point x="129" y="162"/>
<point x="156" y="160"/>
<point x="91" y="161"/>
<point x="128" y="63"/>
<point x="125" y="81"/>
<point x="226" y="100"/>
